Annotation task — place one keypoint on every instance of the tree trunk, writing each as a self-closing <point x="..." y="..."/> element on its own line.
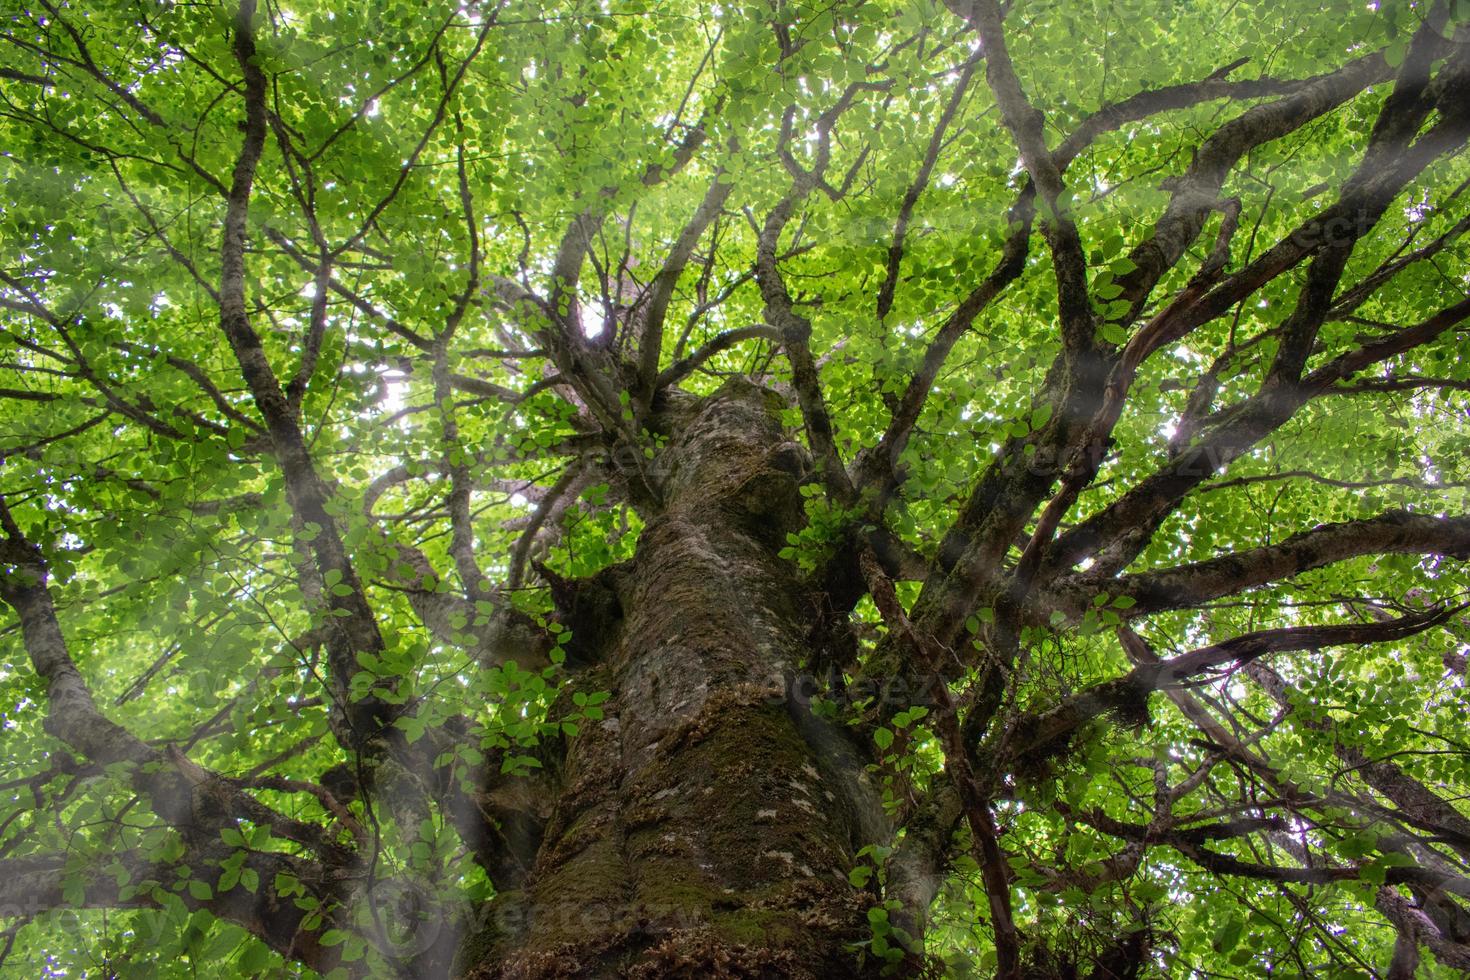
<point x="706" y="826"/>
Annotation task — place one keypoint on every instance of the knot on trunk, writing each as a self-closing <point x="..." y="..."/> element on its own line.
<point x="771" y="494"/>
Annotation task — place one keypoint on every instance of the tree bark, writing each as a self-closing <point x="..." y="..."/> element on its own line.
<point x="706" y="825"/>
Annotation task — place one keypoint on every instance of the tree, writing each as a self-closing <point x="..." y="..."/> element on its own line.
<point x="686" y="489"/>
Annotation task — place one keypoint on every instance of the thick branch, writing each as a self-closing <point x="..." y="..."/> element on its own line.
<point x="1038" y="732"/>
<point x="1187" y="586"/>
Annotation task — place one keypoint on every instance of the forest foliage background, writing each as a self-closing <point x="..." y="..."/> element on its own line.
<point x="331" y="343"/>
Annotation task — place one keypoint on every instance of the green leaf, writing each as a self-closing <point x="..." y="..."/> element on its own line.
<point x="1229" y="935"/>
<point x="253" y="958"/>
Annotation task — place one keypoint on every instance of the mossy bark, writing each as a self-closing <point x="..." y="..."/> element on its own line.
<point x="706" y="826"/>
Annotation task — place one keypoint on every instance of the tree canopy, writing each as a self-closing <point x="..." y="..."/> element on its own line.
<point x="1122" y="350"/>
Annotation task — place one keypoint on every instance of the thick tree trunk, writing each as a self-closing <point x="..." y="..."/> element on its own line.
<point x="706" y="826"/>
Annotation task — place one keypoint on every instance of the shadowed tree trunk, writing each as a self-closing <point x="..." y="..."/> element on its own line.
<point x="707" y="823"/>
